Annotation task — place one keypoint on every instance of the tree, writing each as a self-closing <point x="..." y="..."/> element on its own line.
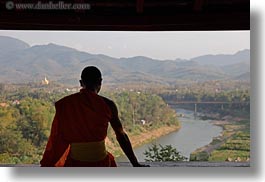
<point x="35" y="124"/>
<point x="163" y="154"/>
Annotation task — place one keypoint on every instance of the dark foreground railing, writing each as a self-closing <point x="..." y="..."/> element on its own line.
<point x="161" y="164"/>
<point x="191" y="164"/>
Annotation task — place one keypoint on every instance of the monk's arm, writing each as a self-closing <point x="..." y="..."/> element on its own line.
<point x="121" y="136"/>
<point x="126" y="146"/>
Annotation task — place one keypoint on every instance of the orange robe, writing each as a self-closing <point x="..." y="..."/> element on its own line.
<point x="80" y="117"/>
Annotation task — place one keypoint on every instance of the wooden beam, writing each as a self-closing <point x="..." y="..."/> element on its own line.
<point x="134" y="15"/>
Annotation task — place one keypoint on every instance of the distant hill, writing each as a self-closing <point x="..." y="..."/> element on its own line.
<point x="9" y="44"/>
<point x="237" y="68"/>
<point x="224" y="59"/>
<point x="21" y="63"/>
<point x="244" y="76"/>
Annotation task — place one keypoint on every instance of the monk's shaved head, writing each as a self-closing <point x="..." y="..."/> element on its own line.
<point x="91" y="76"/>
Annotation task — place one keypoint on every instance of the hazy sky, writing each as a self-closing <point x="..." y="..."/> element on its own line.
<point x="159" y="45"/>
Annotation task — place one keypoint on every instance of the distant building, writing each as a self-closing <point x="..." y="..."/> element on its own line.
<point x="45" y="81"/>
<point x="143" y="122"/>
<point x="75" y="89"/>
<point x="16" y="102"/>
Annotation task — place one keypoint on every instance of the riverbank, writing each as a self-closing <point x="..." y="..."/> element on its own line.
<point x="232" y="145"/>
<point x="149" y="136"/>
<point x="146" y="136"/>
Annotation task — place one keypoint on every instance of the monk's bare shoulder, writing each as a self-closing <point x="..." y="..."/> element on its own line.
<point x="112" y="107"/>
<point x="109" y="102"/>
<point x="67" y="99"/>
<point x="115" y="121"/>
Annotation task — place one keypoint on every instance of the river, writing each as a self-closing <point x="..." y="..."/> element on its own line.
<point x="193" y="134"/>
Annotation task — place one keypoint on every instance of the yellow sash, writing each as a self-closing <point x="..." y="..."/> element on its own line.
<point x="89" y="151"/>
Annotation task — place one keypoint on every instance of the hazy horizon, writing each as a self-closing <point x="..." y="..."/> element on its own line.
<point x="156" y="45"/>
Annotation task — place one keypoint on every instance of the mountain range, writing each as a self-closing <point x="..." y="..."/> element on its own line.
<point x="20" y="63"/>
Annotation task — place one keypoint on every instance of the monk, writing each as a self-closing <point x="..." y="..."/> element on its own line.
<point x="79" y="128"/>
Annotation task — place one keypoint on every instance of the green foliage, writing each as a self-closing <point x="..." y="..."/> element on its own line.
<point x="223" y="155"/>
<point x="199" y="156"/>
<point x="35" y="123"/>
<point x="135" y="107"/>
<point x="236" y="145"/>
<point x="25" y="125"/>
<point x="163" y="154"/>
<point x="235" y="148"/>
<point x="16" y="147"/>
<point x="8" y="117"/>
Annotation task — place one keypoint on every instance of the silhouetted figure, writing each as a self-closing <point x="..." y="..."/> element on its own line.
<point x="80" y="127"/>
